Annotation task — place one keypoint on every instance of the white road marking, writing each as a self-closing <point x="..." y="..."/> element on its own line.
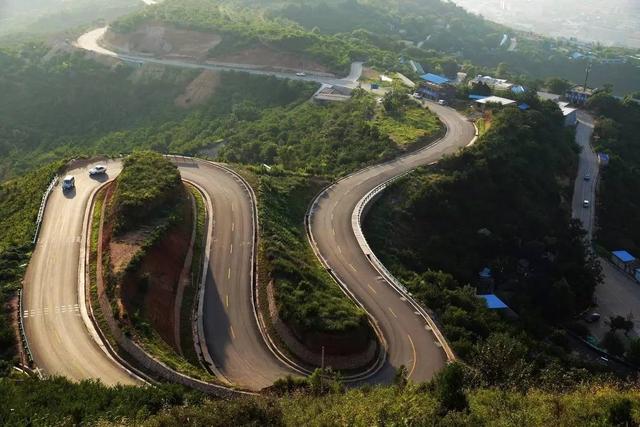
<point x="372" y="290"/>
<point x="227" y="301"/>
<point x="352" y="267"/>
<point x="231" y="249"/>
<point x="233" y="335"/>
<point x="233" y="226"/>
<point x="229" y="273"/>
<point x="391" y="311"/>
<point x="339" y="249"/>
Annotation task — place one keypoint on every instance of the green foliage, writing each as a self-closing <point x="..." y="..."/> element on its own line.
<point x="449" y="384"/>
<point x="319" y="140"/>
<point x="147" y="187"/>
<point x="616" y="134"/>
<point x="306" y="296"/>
<point x="612" y="343"/>
<point x="454" y="217"/>
<point x="58" y="401"/>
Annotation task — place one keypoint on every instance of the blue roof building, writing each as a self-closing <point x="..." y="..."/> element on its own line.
<point x="493" y="302"/>
<point x="477" y="97"/>
<point x="623" y="260"/>
<point x="435" y="79"/>
<point x="524" y="106"/>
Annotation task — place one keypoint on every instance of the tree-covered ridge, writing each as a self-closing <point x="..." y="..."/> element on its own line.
<point x="148" y="187"/>
<point x="616" y="134"/>
<point x="502" y="204"/>
<point x="69" y="105"/>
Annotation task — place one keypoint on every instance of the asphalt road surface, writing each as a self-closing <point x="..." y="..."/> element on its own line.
<point x="90" y="41"/>
<point x="409" y="341"/>
<point x="59" y="339"/>
<point x="619" y="294"/>
<point x="231" y="331"/>
<point x="585" y="185"/>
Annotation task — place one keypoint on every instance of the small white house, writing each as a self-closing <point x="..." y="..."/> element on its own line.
<point x="570" y="114"/>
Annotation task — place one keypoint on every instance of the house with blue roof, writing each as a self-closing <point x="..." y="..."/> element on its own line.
<point x="493" y="302"/>
<point x="436" y="87"/>
<point x="624" y="261"/>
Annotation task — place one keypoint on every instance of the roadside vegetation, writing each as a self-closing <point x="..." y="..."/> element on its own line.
<point x="19" y="203"/>
<point x="146" y="238"/>
<point x="616" y="134"/>
<point x="307" y="298"/>
<point x="59" y="402"/>
<point x="503" y="204"/>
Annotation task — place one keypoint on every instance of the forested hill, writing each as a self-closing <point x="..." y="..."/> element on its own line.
<point x="441" y="36"/>
<point x="616" y="134"/>
<point x="503" y="204"/>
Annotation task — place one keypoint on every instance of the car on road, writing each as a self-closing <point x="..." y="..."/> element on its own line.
<point x="585" y="204"/>
<point x="97" y="170"/>
<point x="68" y="183"/>
<point x="587" y="177"/>
<point x="442" y="102"/>
<point x="301" y="74"/>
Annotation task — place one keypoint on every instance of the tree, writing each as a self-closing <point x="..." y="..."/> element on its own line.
<point x="401" y="377"/>
<point x="612" y="344"/>
<point x="621" y="323"/>
<point x="557" y="85"/>
<point x="633" y="353"/>
<point x="449" y="388"/>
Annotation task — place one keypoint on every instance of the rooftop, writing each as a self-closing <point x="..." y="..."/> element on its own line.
<point x="624" y="256"/>
<point x="581" y="89"/>
<point x="496" y="100"/>
<point x="434" y="78"/>
<point x="566" y="110"/>
<point x="493" y="302"/>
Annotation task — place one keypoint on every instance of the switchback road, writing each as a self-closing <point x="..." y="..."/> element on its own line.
<point x="59" y="339"/>
<point x="410" y="342"/>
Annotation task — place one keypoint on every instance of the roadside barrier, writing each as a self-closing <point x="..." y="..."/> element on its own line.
<point x="43" y="205"/>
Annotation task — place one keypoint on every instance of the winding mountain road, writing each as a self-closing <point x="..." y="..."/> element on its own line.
<point x="60" y="342"/>
<point x="57" y="329"/>
<point x="409" y="340"/>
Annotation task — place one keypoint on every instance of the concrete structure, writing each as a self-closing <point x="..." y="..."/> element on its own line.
<point x="578" y="95"/>
<point x="494" y="100"/>
<point x="624" y="261"/>
<point x="436" y="87"/>
<point x="548" y="96"/>
<point x="332" y="93"/>
<point x="416" y="67"/>
<point x="570" y="114"/>
<point x="497" y="84"/>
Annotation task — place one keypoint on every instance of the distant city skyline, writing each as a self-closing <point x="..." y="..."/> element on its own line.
<point x="610" y="22"/>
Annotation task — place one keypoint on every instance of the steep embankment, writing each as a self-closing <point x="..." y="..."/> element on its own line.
<point x="147" y="234"/>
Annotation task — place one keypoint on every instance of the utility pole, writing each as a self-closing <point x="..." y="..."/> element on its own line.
<point x="586" y="77"/>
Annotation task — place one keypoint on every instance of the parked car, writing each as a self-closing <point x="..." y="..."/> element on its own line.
<point x="587" y="177"/>
<point x="442" y="102"/>
<point x="68" y="182"/>
<point x="592" y="317"/>
<point x="97" y="170"/>
<point x="301" y="74"/>
<point x="585" y="204"/>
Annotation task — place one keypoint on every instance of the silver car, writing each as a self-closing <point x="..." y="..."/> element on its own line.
<point x="97" y="170"/>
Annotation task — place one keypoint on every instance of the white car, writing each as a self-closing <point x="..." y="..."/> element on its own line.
<point x="68" y="182"/>
<point x="442" y="102"/>
<point x="301" y="74"/>
<point x="97" y="170"/>
<point x="585" y="204"/>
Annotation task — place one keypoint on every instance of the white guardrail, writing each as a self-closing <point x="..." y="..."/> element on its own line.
<point x="43" y="205"/>
<point x="23" y="334"/>
<point x="356" y="224"/>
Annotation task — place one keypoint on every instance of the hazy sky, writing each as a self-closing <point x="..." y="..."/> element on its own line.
<point x="606" y="21"/>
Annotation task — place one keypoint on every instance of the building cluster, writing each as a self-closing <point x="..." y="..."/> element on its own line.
<point x="497" y="84"/>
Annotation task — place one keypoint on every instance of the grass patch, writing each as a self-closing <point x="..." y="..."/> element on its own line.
<point x="416" y="123"/>
<point x="306" y="296"/>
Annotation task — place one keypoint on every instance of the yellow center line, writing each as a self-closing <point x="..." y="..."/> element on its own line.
<point x="227" y="301"/>
<point x="372" y="290"/>
<point x="352" y="267"/>
<point x="233" y="226"/>
<point x="339" y="249"/>
<point x="233" y="335"/>
<point x="231" y="249"/>
<point x="394" y="315"/>
<point x="229" y="273"/>
<point x="413" y="348"/>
